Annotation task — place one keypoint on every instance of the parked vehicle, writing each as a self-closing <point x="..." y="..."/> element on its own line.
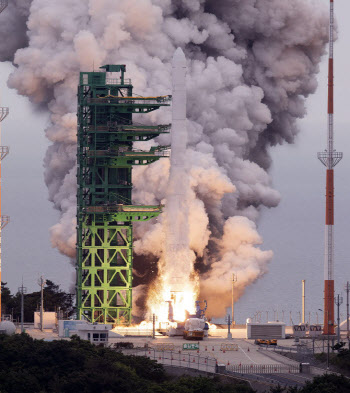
<point x="262" y="341"/>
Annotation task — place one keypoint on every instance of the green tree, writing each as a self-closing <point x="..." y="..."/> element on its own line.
<point x="327" y="384"/>
<point x="277" y="389"/>
<point x="54" y="300"/>
<point x="6" y="299"/>
<point x="32" y="366"/>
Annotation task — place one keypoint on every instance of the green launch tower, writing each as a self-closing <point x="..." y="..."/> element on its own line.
<point x="105" y="213"/>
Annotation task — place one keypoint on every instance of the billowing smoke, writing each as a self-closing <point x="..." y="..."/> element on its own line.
<point x="251" y="65"/>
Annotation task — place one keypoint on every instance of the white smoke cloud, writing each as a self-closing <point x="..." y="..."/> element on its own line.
<point x="251" y="65"/>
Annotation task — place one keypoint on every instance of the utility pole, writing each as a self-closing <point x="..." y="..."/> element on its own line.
<point x="234" y="279"/>
<point x="228" y="320"/>
<point x="42" y="284"/>
<point x="327" y="342"/>
<point x="22" y="290"/>
<point x="154" y="326"/>
<point x="326" y="329"/>
<point x="338" y="303"/>
<point x="347" y="288"/>
<point x="303" y="302"/>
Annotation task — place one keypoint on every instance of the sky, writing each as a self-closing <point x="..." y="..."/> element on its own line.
<point x="294" y="230"/>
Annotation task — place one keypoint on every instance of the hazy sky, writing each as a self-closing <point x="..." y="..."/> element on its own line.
<point x="294" y="230"/>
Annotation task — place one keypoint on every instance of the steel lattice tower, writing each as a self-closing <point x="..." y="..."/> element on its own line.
<point x="330" y="158"/>
<point x="4" y="150"/>
<point x="105" y="214"/>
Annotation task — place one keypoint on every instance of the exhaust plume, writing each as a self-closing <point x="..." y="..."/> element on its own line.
<point x="251" y="65"/>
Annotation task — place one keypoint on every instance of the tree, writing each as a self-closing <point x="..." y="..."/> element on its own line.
<point x="277" y="389"/>
<point x="327" y="384"/>
<point x="54" y="300"/>
<point x="31" y="366"/>
<point x="6" y="299"/>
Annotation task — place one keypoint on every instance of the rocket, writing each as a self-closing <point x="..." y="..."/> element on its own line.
<point x="177" y="239"/>
<point x="179" y="128"/>
<point x="330" y="158"/>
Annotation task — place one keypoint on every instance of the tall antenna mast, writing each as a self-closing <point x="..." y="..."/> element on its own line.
<point x="330" y="158"/>
<point x="4" y="150"/>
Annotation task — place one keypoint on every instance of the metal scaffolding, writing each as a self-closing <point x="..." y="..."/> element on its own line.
<point x="3" y="5"/>
<point x="105" y="213"/>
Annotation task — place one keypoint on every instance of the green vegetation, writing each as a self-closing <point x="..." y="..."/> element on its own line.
<point x="54" y="299"/>
<point x="33" y="366"/>
<point x="325" y="384"/>
<point x="328" y="384"/>
<point x="342" y="360"/>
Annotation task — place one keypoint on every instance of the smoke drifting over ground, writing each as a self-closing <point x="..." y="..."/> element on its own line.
<point x="251" y="64"/>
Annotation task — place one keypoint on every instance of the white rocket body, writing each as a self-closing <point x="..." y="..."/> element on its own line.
<point x="177" y="239"/>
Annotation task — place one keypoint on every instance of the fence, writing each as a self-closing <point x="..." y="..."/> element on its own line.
<point x="263" y="369"/>
<point x="308" y="346"/>
<point x="229" y="347"/>
<point x="134" y="332"/>
<point x="176" y="358"/>
<point x="300" y="348"/>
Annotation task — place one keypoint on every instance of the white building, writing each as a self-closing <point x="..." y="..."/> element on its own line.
<point x="95" y="333"/>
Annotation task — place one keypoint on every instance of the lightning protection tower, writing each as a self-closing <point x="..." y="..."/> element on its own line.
<point x="4" y="220"/>
<point x="330" y="158"/>
<point x="4" y="150"/>
<point x="105" y="214"/>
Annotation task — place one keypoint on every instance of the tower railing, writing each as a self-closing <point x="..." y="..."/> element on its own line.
<point x="4" y="113"/>
<point x="3" y="5"/>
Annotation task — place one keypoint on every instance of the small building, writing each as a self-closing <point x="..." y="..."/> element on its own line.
<point x="67" y="328"/>
<point x="49" y="320"/>
<point x="95" y="333"/>
<point x="270" y="330"/>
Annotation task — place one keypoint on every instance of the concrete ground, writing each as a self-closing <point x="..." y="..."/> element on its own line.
<point x="246" y="353"/>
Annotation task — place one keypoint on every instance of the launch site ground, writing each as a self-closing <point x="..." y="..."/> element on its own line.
<point x="210" y="354"/>
<point x="247" y="353"/>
